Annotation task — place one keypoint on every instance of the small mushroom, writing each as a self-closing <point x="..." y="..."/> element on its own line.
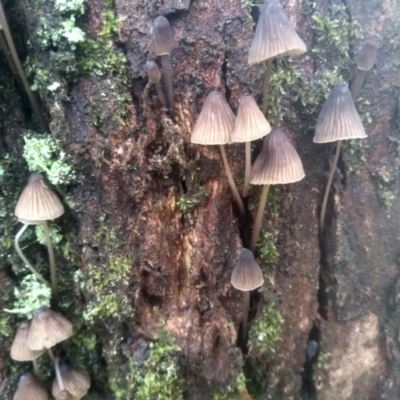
<point x="250" y="125"/>
<point x="274" y="36"/>
<point x="36" y="205"/>
<point x="155" y="77"/>
<point x="337" y="121"/>
<point x="65" y="395"/>
<point x="76" y="381"/>
<point x="246" y="276"/>
<point x="214" y="126"/>
<point x="278" y="163"/>
<point x="162" y="43"/>
<point x="30" y="388"/>
<point x="365" y="60"/>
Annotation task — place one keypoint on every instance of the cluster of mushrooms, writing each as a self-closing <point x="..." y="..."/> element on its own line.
<point x="278" y="163"/>
<point x="38" y="204"/>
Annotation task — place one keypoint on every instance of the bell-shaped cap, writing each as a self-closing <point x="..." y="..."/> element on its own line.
<point x="47" y="329"/>
<point x="278" y="162"/>
<point x="215" y="122"/>
<point x="274" y="36"/>
<point x="38" y="202"/>
<point x="19" y="348"/>
<point x="250" y="123"/>
<point x="338" y="119"/>
<point x="366" y="55"/>
<point x="153" y="72"/>
<point x="65" y="395"/>
<point x="247" y="274"/>
<point x="30" y="388"/>
<point x="162" y="36"/>
<point x="76" y="381"/>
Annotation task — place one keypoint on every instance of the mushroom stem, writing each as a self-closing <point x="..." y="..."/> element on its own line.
<point x="24" y="259"/>
<point x="166" y="67"/>
<point x="58" y="374"/>
<point x="21" y="72"/>
<point x="259" y="217"/>
<point x="232" y="184"/>
<point x="36" y="369"/>
<point x="53" y="270"/>
<point x="161" y="95"/>
<point x="246" y="306"/>
<point x="357" y="83"/>
<point x="247" y="169"/>
<point x="328" y="185"/>
<point x="268" y="70"/>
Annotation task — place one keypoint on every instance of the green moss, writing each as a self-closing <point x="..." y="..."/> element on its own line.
<point x="233" y="391"/>
<point x="268" y="254"/>
<point x="354" y="155"/>
<point x="190" y="201"/>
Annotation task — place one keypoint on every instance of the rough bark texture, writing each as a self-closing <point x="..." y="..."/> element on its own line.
<point x="151" y="233"/>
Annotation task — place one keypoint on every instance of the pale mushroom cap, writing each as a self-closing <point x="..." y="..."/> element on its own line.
<point x="47" y="329"/>
<point x="162" y="36"/>
<point x="76" y="381"/>
<point x="274" y="36"/>
<point x="366" y="55"/>
<point x="64" y="395"/>
<point x="247" y="274"/>
<point x="216" y="121"/>
<point x="338" y="119"/>
<point x="278" y="162"/>
<point x="29" y="388"/>
<point x="250" y="123"/>
<point x="38" y="202"/>
<point x="153" y="72"/>
<point x="19" y="348"/>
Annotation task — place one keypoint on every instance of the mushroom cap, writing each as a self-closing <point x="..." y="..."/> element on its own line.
<point x="162" y="36"/>
<point x="278" y="162"/>
<point x="275" y="35"/>
<point x="29" y="388"/>
<point x="338" y="119"/>
<point x="38" y="202"/>
<point x="216" y="121"/>
<point x="153" y="72"/>
<point x="247" y="274"/>
<point x="47" y="329"/>
<point x="366" y="54"/>
<point x="19" y="348"/>
<point x="65" y="395"/>
<point x="250" y="123"/>
<point x="76" y="381"/>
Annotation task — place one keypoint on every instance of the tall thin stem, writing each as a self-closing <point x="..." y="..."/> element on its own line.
<point x="161" y="95"/>
<point x="246" y="306"/>
<point x="232" y="184"/>
<point x="247" y="169"/>
<point x="166" y="67"/>
<point x="259" y="217"/>
<point x="24" y="259"/>
<point x="328" y="185"/>
<point x="21" y="72"/>
<point x="267" y="78"/>
<point x="36" y="369"/>
<point x="52" y="260"/>
<point x="357" y="83"/>
<point x="58" y="374"/>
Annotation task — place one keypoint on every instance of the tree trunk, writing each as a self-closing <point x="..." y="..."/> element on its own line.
<point x="151" y="233"/>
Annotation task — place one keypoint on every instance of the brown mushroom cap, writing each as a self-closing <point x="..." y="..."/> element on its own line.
<point x="65" y="395"/>
<point x="76" y="381"/>
<point x="153" y="72"/>
<point x="275" y="35"/>
<point x="38" y="202"/>
<point x="47" y="329"/>
<point x="162" y="36"/>
<point x="366" y="55"/>
<point x="250" y="123"/>
<point x="215" y="122"/>
<point x="247" y="274"/>
<point x="19" y="348"/>
<point x="338" y="119"/>
<point x="29" y="388"/>
<point x="278" y="162"/>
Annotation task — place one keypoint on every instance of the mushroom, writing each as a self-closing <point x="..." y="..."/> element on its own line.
<point x="30" y="388"/>
<point x="274" y="36"/>
<point x="337" y="121"/>
<point x="246" y="276"/>
<point x="365" y="60"/>
<point x="250" y="125"/>
<point x="155" y="77"/>
<point x="214" y="126"/>
<point x="162" y="43"/>
<point x="65" y="395"/>
<point x="37" y="204"/>
<point x="278" y="163"/>
<point x="75" y="381"/>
